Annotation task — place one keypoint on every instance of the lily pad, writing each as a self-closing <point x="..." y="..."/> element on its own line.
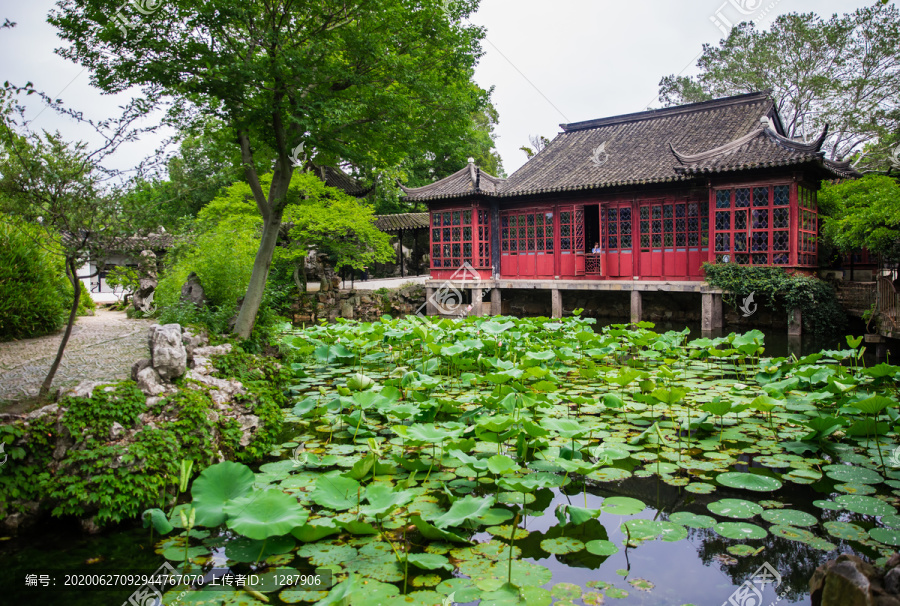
<point x="790" y="533"/>
<point x="601" y="547"/>
<point x="853" y="474"/>
<point x="692" y="520"/>
<point x="865" y="505"/>
<point x="562" y="545"/>
<point x="791" y="517"/>
<point x="845" y="531"/>
<point x="740" y="530"/>
<point x="735" y="508"/>
<point x="748" y="481"/>
<point x="888" y="536"/>
<point x="622" y="506"/>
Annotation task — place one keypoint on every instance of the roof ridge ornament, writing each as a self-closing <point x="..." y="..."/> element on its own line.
<point x="599" y="155"/>
<point x="717" y="151"/>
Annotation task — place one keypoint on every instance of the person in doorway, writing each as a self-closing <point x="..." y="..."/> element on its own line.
<point x="596" y="248"/>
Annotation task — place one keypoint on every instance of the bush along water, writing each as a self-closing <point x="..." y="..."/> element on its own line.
<point x="421" y="450"/>
<point x="109" y="455"/>
<point x="816" y="299"/>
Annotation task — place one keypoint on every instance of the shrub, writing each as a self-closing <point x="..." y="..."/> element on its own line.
<point x="815" y="298"/>
<point x="34" y="293"/>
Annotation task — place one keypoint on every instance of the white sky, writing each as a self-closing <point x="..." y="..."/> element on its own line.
<point x="590" y="58"/>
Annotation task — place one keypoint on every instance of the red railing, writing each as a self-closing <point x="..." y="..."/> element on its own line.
<point x="593" y="263"/>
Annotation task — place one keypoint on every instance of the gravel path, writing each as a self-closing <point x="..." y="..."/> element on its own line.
<point x="102" y="347"/>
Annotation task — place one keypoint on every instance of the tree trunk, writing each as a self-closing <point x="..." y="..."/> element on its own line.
<point x="261" y="264"/>
<point x="72" y="275"/>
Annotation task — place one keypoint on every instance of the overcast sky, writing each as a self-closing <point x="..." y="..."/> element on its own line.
<point x="549" y="61"/>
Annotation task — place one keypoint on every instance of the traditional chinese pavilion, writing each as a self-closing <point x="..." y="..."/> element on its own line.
<point x="645" y="198"/>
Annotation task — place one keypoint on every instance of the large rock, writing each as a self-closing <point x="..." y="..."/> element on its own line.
<point x="142" y="299"/>
<point x="167" y="353"/>
<point x="847" y="581"/>
<point x="149" y="382"/>
<point x="192" y="291"/>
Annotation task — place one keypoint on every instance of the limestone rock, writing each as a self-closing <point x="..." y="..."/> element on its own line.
<point x="249" y="425"/>
<point x="116" y="431"/>
<point x="192" y="342"/>
<point x="847" y="581"/>
<point x="192" y="291"/>
<point x="892" y="581"/>
<point x="137" y="367"/>
<point x="149" y="382"/>
<point x="50" y="409"/>
<point x="85" y="389"/>
<point x="167" y="353"/>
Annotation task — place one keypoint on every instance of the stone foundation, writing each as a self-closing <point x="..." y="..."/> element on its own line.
<point x="363" y="305"/>
<point x="615" y="306"/>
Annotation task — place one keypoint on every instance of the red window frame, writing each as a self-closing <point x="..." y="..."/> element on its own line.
<point x="807" y="226"/>
<point x="456" y="237"/>
<point x="617" y="229"/>
<point x="752" y="224"/>
<point x="527" y="231"/>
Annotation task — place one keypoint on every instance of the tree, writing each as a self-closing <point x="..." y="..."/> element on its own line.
<point x="226" y="235"/>
<point x="538" y="142"/>
<point x="844" y="72"/>
<point x="863" y="213"/>
<point x="60" y="187"/>
<point x="352" y="82"/>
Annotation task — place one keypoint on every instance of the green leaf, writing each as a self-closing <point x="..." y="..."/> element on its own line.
<point x="337" y="492"/>
<point x="217" y="485"/>
<point x="430" y="561"/>
<point x="158" y="520"/>
<point x="468" y="507"/>
<point x="267" y="514"/>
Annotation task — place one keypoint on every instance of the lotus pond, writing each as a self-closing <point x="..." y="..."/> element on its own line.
<point x="533" y="461"/>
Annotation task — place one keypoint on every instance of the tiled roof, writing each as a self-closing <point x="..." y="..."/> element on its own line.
<point x="335" y="177"/>
<point x="401" y="221"/>
<point x="469" y="180"/>
<point x="663" y="145"/>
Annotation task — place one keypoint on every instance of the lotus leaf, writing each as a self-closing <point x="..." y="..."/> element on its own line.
<point x="740" y="530"/>
<point x="748" y="481"/>
<point x="735" y="508"/>
<point x="217" y="485"/>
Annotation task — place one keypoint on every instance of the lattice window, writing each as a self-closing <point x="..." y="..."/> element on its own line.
<point x="526" y="232"/>
<point x="454" y="241"/>
<point x="755" y="229"/>
<point x="808" y="216"/>
<point x="617" y="229"/>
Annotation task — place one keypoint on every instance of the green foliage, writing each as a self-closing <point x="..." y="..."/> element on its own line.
<point x="115" y="481"/>
<point x="86" y="305"/>
<point x="33" y="299"/>
<point x="863" y="213"/>
<point x="837" y="71"/>
<point x="815" y="298"/>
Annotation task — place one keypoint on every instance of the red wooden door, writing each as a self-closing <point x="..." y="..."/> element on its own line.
<point x="618" y="240"/>
<point x="673" y="240"/>
<point x="527" y="242"/>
